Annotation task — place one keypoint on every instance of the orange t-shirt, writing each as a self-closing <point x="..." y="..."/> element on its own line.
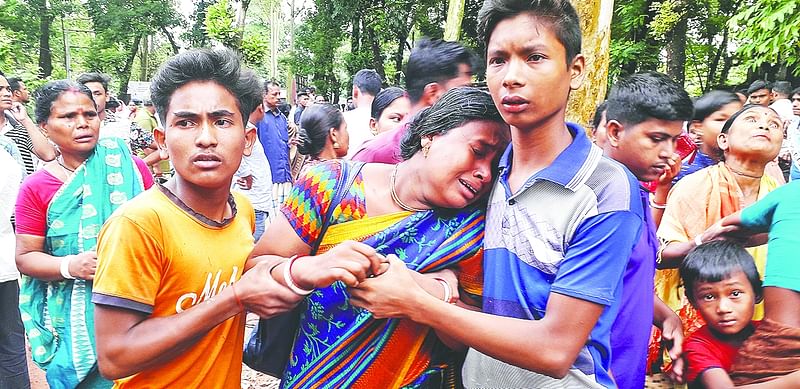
<point x="157" y="257"/>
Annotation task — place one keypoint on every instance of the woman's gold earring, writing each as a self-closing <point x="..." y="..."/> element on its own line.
<point x="425" y="150"/>
<point x="335" y="145"/>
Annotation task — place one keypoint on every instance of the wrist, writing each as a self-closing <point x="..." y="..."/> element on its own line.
<point x="64" y="267"/>
<point x="290" y="280"/>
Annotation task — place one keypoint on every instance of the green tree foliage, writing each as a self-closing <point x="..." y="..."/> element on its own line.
<point x="220" y="24"/>
<point x="769" y="32"/>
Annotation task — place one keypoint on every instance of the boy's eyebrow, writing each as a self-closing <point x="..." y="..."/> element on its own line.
<point x="525" y="48"/>
<point x="217" y="113"/>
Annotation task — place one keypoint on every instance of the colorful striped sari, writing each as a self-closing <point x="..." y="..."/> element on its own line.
<point x="339" y="345"/>
<point x="58" y="315"/>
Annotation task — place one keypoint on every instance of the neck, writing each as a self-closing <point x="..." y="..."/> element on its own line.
<point x="364" y="101"/>
<point x="747" y="172"/>
<point x="72" y="161"/>
<point x="211" y="203"/>
<point x="327" y="153"/>
<point x="101" y="114"/>
<point x="418" y="106"/>
<point x="710" y="152"/>
<point x="537" y="148"/>
<point x="2" y="118"/>
<point x="407" y="184"/>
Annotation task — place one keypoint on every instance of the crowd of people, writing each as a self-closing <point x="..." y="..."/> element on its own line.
<point x="437" y="235"/>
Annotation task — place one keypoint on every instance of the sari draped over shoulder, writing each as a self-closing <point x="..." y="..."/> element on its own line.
<point x="694" y="204"/>
<point x="339" y="345"/>
<point x="58" y="315"/>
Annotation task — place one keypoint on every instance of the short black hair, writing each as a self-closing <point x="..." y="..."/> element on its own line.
<point x="222" y="66"/>
<point x="48" y="93"/>
<point x="434" y="60"/>
<point x="758" y="85"/>
<point x="315" y="124"/>
<point x="711" y="102"/>
<point x="270" y="83"/>
<point x="455" y="108"/>
<point x="14" y="83"/>
<point x="649" y="95"/>
<point x="103" y="79"/>
<point x="598" y="114"/>
<point x="796" y="91"/>
<point x="368" y="81"/>
<point x="715" y="261"/>
<point x="560" y="14"/>
<point x="782" y="87"/>
<point x="384" y="99"/>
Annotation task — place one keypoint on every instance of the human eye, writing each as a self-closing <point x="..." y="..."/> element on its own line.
<point x="736" y="293"/>
<point x="223" y="122"/>
<point x="708" y="297"/>
<point x="496" y="61"/>
<point x="479" y="152"/>
<point x="183" y="123"/>
<point x="535" y="57"/>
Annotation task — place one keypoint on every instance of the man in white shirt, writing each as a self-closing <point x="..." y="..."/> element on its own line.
<point x="782" y="105"/>
<point x="254" y="180"/>
<point x="13" y="363"/>
<point x="366" y="84"/>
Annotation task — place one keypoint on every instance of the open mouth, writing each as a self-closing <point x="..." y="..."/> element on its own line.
<point x="84" y="138"/>
<point x="469" y="187"/>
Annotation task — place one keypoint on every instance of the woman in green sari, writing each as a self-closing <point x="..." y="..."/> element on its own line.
<point x="426" y="210"/>
<point x="59" y="212"/>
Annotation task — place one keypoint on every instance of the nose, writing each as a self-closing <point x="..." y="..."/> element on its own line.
<point x="724" y="306"/>
<point x="207" y="136"/>
<point x="513" y="78"/>
<point x="483" y="172"/>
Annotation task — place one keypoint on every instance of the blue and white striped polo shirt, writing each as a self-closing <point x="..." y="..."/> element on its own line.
<point x="569" y="229"/>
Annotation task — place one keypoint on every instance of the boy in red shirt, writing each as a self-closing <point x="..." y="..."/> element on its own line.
<point x="723" y="285"/>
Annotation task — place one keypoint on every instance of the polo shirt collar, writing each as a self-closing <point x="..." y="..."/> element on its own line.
<point x="570" y="169"/>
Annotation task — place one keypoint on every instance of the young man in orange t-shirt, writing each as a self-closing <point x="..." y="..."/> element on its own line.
<point x="169" y="292"/>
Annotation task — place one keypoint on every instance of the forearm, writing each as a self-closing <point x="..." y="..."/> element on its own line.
<point x="673" y="254"/>
<point x="500" y="337"/>
<point x="661" y="312"/>
<point x="659" y="198"/>
<point x="158" y="340"/>
<point x="40" y="265"/>
<point x="41" y="147"/>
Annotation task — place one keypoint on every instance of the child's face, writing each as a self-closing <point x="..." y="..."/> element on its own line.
<point x="726" y="306"/>
<point x="527" y="72"/>
<point x="712" y="125"/>
<point x="205" y="135"/>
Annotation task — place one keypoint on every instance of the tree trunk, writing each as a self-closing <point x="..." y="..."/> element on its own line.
<point x="455" y="14"/>
<point x="175" y="48"/>
<point x="596" y="27"/>
<point x="727" y="64"/>
<point x="377" y="57"/>
<point x="711" y="80"/>
<point x="45" y="55"/>
<point x="144" y="54"/>
<point x="125" y="75"/>
<point x="676" y="51"/>
<point x="402" y="37"/>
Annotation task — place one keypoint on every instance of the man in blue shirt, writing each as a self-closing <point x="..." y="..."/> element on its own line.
<point x="273" y="133"/>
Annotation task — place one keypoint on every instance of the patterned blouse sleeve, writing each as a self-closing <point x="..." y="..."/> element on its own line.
<point x="310" y="198"/>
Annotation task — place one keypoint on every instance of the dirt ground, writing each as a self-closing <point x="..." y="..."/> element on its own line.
<point x="250" y="379"/>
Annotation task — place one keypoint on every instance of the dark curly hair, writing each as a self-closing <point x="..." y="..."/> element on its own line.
<point x="48" y="93"/>
<point x="454" y="108"/>
<point x="222" y="66"/>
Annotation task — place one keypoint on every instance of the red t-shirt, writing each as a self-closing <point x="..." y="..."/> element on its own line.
<point x="38" y="190"/>
<point x="704" y="350"/>
<point x="384" y="148"/>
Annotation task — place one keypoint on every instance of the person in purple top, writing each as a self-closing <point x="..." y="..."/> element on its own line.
<point x="645" y="115"/>
<point x="434" y="67"/>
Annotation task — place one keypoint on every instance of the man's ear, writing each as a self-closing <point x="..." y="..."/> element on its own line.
<point x="615" y="131"/>
<point x="160" y="137"/>
<point x="431" y="93"/>
<point x="577" y="72"/>
<point x="249" y="140"/>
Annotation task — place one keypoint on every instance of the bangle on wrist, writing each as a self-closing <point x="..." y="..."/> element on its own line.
<point x="65" y="267"/>
<point x="656" y="205"/>
<point x="698" y="240"/>
<point x="448" y="292"/>
<point x="287" y="277"/>
<point x="236" y="296"/>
